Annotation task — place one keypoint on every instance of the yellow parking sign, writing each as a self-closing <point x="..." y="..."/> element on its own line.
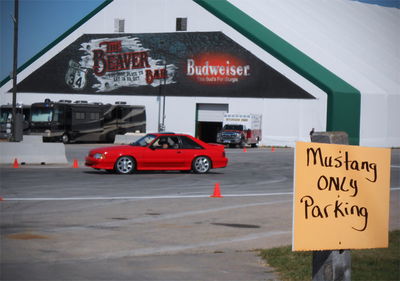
<point x="341" y="197"/>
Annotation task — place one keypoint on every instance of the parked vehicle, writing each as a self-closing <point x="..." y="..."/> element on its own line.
<point x="159" y="151"/>
<point x="240" y="129"/>
<point x="6" y="119"/>
<point x="82" y="121"/>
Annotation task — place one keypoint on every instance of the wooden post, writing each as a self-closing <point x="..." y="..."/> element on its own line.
<point x="331" y="265"/>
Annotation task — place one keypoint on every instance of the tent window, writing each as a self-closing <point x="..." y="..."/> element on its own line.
<point x="181" y="24"/>
<point x="119" y="25"/>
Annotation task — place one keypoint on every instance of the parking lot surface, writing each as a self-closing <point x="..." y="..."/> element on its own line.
<point x="65" y="223"/>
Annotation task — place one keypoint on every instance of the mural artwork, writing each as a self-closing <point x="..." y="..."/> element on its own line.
<point x="171" y="64"/>
<point x="115" y="63"/>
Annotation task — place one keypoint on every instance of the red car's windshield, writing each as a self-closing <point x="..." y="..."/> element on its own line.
<point x="234" y="127"/>
<point x="144" y="141"/>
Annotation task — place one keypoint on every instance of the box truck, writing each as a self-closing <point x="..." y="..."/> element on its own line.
<point x="240" y="130"/>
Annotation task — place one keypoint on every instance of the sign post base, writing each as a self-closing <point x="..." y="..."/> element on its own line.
<point x="331" y="265"/>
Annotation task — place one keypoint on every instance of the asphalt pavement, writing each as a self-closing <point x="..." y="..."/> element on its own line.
<point x="65" y="223"/>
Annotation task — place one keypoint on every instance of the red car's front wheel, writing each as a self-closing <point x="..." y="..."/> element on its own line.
<point x="125" y="165"/>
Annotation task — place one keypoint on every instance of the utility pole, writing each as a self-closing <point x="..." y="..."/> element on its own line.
<point x="159" y="107"/>
<point x="161" y="115"/>
<point x="14" y="74"/>
<point x="165" y="87"/>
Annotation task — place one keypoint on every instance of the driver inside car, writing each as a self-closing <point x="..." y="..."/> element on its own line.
<point x="163" y="143"/>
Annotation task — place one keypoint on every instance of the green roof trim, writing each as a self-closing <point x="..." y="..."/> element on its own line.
<point x="344" y="101"/>
<point x="59" y="39"/>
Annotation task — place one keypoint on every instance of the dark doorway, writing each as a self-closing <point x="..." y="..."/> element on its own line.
<point x="207" y="131"/>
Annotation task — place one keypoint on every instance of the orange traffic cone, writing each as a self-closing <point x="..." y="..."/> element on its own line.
<point x="75" y="165"/>
<point x="244" y="149"/>
<point x="272" y="149"/>
<point x="15" y="165"/>
<point x="217" y="191"/>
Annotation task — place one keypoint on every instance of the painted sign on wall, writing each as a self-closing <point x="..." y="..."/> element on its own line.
<point x="116" y="63"/>
<point x="341" y="198"/>
<point x="181" y="64"/>
<point x="217" y="69"/>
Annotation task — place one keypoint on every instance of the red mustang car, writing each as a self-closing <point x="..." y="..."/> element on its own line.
<point x="159" y="151"/>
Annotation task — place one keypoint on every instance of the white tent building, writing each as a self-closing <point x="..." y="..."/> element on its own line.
<point x="327" y="65"/>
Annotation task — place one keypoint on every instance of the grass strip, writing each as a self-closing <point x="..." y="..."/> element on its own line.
<point x="372" y="264"/>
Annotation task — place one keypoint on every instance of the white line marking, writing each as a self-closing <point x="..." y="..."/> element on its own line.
<point x="148" y="197"/>
<point x="140" y="197"/>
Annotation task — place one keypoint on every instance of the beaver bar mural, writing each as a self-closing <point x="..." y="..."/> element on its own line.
<point x="116" y="63"/>
<point x="178" y="64"/>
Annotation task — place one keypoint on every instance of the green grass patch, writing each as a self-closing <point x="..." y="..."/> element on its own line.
<point x="373" y="264"/>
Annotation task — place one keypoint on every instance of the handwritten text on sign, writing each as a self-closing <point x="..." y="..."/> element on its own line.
<point x="341" y="198"/>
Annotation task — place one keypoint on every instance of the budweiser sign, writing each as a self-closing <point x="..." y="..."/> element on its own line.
<point x="216" y="69"/>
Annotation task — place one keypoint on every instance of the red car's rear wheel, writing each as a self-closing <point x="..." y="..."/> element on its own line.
<point x="201" y="165"/>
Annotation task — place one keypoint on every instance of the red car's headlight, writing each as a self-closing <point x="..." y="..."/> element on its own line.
<point x="99" y="156"/>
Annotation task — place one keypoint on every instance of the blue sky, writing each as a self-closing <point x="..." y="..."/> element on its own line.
<point x="386" y="3"/>
<point x="40" y="23"/>
<point x="43" y="21"/>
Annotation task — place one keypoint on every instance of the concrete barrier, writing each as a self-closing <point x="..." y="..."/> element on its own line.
<point x="127" y="138"/>
<point x="32" y="150"/>
<point x="32" y="139"/>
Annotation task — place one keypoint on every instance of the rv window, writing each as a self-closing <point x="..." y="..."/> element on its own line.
<point x="80" y="115"/>
<point x="57" y="115"/>
<point x="94" y="116"/>
<point x="124" y="114"/>
<point x="42" y="114"/>
<point x="4" y="116"/>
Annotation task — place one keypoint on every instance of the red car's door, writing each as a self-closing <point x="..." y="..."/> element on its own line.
<point x="163" y="154"/>
<point x="190" y="149"/>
